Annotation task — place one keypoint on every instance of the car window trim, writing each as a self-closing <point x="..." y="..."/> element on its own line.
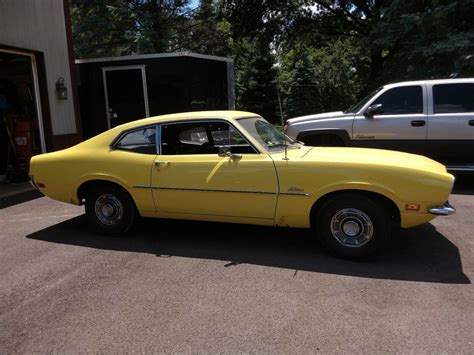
<point x="113" y="145"/>
<point x="205" y="121"/>
<point x="386" y="89"/>
<point x="434" y="103"/>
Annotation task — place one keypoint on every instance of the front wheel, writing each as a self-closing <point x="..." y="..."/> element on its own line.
<point x="353" y="225"/>
<point x="111" y="210"/>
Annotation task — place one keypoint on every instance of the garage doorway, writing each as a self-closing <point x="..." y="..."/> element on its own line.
<point x="21" y="123"/>
<point x="126" y="94"/>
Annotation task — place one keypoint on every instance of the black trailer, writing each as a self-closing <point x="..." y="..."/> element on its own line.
<point x="116" y="90"/>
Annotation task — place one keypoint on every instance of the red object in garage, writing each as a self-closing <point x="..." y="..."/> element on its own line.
<point x="23" y="144"/>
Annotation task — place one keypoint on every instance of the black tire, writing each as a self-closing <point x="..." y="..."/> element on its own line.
<point x="323" y="140"/>
<point x="110" y="209"/>
<point x="353" y="226"/>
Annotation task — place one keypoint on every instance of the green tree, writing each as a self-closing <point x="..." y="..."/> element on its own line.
<point x="255" y="78"/>
<point x="424" y="39"/>
<point x="118" y="27"/>
<point x="209" y="32"/>
<point x="323" y="79"/>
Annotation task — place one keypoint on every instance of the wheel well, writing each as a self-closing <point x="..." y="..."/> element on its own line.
<point x="385" y="201"/>
<point x="86" y="186"/>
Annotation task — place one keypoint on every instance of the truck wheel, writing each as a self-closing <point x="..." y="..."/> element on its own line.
<point x="323" y="140"/>
<point x="353" y="225"/>
<point x="110" y="209"/>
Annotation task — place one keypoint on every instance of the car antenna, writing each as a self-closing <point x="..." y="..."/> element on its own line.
<point x="282" y="122"/>
<point x="286" y="149"/>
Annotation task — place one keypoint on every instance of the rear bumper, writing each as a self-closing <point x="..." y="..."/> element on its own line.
<point x="444" y="210"/>
<point x="32" y="182"/>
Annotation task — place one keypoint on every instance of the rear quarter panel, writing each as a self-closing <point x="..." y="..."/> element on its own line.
<point x="63" y="172"/>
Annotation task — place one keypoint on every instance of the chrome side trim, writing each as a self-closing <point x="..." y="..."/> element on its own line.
<point x="445" y="210"/>
<point x="204" y="190"/>
<point x="294" y="193"/>
<point x="231" y="191"/>
<point x="142" y="187"/>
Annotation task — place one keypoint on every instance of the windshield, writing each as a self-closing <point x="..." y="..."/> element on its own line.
<point x="266" y="134"/>
<point x="361" y="103"/>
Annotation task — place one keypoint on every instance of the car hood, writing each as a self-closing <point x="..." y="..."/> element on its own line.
<point x="365" y="156"/>
<point x="319" y="116"/>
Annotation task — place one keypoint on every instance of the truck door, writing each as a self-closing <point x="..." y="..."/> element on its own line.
<point x="401" y="123"/>
<point x="451" y="123"/>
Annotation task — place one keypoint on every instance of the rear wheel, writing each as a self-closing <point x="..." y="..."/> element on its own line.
<point x="110" y="209"/>
<point x="353" y="225"/>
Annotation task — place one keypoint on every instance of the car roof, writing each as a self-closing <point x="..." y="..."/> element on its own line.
<point x="187" y="116"/>
<point x="433" y="82"/>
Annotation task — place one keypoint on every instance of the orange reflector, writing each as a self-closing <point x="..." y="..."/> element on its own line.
<point x="412" y="207"/>
<point x="40" y="184"/>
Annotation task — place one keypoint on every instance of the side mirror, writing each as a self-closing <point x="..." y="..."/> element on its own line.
<point x="225" y="152"/>
<point x="373" y="110"/>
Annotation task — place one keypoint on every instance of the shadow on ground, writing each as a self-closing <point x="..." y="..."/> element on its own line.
<point x="420" y="254"/>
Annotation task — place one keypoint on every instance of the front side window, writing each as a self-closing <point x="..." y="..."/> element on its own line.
<point x="224" y="134"/>
<point x="267" y="135"/>
<point x="202" y="138"/>
<point x="139" y="141"/>
<point x="453" y="98"/>
<point x="361" y="103"/>
<point x="403" y="100"/>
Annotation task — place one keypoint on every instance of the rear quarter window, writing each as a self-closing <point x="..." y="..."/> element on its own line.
<point x="139" y="141"/>
<point x="453" y="98"/>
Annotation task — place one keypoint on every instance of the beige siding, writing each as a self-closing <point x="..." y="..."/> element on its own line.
<point x="39" y="25"/>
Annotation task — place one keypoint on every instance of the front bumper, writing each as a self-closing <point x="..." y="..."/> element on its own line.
<point x="444" y="210"/>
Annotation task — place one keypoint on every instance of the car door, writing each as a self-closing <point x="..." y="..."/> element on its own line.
<point x="131" y="160"/>
<point x="401" y="124"/>
<point x="208" y="168"/>
<point x="451" y="123"/>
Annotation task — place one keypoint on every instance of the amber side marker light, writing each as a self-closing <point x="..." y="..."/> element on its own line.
<point x="412" y="207"/>
<point x="40" y="184"/>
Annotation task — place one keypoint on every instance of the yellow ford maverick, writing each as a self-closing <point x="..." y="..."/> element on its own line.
<point x="231" y="166"/>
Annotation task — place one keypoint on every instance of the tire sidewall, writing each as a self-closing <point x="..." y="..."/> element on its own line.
<point x="377" y="213"/>
<point x="128" y="207"/>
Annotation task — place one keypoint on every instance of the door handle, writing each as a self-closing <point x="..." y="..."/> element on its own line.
<point x="471" y="122"/>
<point x="418" y="123"/>
<point x="161" y="162"/>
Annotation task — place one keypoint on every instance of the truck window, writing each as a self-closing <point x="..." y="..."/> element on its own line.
<point x="403" y="100"/>
<point x="453" y="98"/>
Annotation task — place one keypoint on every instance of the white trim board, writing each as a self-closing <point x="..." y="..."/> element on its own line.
<point x="153" y="56"/>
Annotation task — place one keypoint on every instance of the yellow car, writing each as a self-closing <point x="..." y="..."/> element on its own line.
<point x="231" y="166"/>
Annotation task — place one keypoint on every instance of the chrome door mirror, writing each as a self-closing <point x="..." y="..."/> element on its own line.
<point x="373" y="110"/>
<point x="225" y="152"/>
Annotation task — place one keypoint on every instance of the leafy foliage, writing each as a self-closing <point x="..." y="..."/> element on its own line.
<point x="320" y="55"/>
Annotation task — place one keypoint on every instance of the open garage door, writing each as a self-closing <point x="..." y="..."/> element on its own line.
<point x="21" y="126"/>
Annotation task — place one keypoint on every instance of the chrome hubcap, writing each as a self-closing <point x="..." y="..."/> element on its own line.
<point x="352" y="228"/>
<point x="108" y="209"/>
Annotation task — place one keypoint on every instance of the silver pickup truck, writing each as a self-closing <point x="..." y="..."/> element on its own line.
<point x="433" y="118"/>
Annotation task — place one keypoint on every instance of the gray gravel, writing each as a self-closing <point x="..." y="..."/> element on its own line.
<point x="179" y="286"/>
